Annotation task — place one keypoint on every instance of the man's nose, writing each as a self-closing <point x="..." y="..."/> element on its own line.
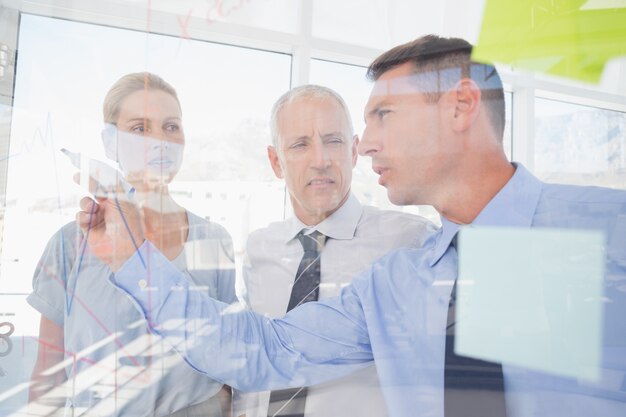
<point x="368" y="144"/>
<point x="321" y="155"/>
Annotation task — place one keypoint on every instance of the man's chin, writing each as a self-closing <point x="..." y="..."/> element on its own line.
<point x="397" y="198"/>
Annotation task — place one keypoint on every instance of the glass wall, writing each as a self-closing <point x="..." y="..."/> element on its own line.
<point x="576" y="144"/>
<point x="228" y="62"/>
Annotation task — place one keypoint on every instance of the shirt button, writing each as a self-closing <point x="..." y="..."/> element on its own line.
<point x="142" y="283"/>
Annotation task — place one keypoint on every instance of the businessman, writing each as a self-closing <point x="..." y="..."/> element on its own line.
<point x="434" y="133"/>
<point x="314" y="150"/>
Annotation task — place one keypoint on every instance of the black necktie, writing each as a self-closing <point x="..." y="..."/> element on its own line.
<point x="463" y="376"/>
<point x="290" y="402"/>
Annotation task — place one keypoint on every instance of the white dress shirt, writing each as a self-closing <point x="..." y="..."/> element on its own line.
<point x="357" y="235"/>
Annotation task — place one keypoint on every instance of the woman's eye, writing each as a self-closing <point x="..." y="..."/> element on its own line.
<point x="172" y="128"/>
<point x="138" y="129"/>
<point x="383" y="112"/>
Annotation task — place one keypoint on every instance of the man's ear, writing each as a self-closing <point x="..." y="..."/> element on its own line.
<point x="467" y="100"/>
<point x="355" y="151"/>
<point x="272" y="155"/>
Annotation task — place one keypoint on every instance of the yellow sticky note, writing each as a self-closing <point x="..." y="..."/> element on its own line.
<point x="569" y="38"/>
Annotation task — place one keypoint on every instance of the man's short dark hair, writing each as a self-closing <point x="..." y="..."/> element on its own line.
<point x="440" y="64"/>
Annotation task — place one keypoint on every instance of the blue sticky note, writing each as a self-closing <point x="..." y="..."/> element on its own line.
<point x="532" y="298"/>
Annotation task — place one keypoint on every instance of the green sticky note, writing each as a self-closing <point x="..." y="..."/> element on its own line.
<point x="569" y="38"/>
<point x="531" y="298"/>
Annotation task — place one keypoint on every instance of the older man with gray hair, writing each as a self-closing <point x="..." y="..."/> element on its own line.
<point x="316" y="252"/>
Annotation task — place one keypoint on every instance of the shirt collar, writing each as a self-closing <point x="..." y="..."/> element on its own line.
<point x="339" y="225"/>
<point x="514" y="205"/>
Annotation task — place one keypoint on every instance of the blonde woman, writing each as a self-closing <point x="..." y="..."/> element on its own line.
<point x="95" y="349"/>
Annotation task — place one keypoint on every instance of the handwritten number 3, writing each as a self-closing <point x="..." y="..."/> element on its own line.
<point x="5" y="338"/>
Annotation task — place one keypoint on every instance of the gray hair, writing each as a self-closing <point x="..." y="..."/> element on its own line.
<point x="308" y="91"/>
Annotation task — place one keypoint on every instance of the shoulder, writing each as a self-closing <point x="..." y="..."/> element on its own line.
<point x="371" y="213"/>
<point x="269" y="242"/>
<point x="573" y="201"/>
<point x="274" y="230"/>
<point x="70" y="229"/>
<point x="67" y="236"/>
<point x="585" y="207"/>
<point x="581" y="194"/>
<point x="396" y="222"/>
<point x="201" y="228"/>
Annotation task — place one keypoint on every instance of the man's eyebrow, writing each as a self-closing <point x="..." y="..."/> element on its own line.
<point x="374" y="110"/>
<point x="292" y="139"/>
<point x="368" y="113"/>
<point x="333" y="134"/>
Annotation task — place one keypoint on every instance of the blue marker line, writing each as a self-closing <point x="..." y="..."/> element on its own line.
<point x="64" y="270"/>
<point x="68" y="306"/>
<point x="9" y="157"/>
<point x="119" y="208"/>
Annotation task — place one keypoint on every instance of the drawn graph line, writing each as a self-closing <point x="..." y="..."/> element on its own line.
<point x="83" y="249"/>
<point x="126" y="380"/>
<point x="217" y="6"/>
<point x="78" y="357"/>
<point x="43" y="138"/>
<point x="132" y="239"/>
<point x="90" y="312"/>
<point x="184" y="25"/>
<point x="143" y="374"/>
<point x="68" y="353"/>
<point x="70" y="292"/>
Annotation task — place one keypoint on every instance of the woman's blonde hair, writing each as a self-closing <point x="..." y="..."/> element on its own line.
<point x="128" y="84"/>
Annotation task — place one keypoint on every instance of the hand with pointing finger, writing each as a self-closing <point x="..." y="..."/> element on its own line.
<point x="112" y="227"/>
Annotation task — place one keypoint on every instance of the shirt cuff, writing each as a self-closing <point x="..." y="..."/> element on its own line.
<point x="148" y="277"/>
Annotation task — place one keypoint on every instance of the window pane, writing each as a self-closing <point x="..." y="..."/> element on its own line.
<point x="63" y="73"/>
<point x="577" y="144"/>
<point x="376" y="23"/>
<point x="180" y="15"/>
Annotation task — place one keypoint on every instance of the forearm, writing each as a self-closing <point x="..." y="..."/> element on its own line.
<point x="47" y="374"/>
<point x="41" y="381"/>
<point x="241" y="348"/>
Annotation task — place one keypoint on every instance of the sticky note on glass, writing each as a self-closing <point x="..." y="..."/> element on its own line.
<point x="569" y="38"/>
<point x="531" y="298"/>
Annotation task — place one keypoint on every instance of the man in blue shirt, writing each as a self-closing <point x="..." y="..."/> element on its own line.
<point x="434" y="133"/>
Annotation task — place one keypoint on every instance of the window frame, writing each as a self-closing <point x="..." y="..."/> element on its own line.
<point x="304" y="47"/>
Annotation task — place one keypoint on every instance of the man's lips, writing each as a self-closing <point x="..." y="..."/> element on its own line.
<point x="320" y="182"/>
<point x="381" y="172"/>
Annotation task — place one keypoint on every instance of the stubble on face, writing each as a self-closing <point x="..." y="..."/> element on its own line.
<point x="402" y="136"/>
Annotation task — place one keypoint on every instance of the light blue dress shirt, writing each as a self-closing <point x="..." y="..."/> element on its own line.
<point x="395" y="313"/>
<point x="357" y="236"/>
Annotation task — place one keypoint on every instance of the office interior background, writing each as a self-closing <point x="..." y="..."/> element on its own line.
<point x="229" y="61"/>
